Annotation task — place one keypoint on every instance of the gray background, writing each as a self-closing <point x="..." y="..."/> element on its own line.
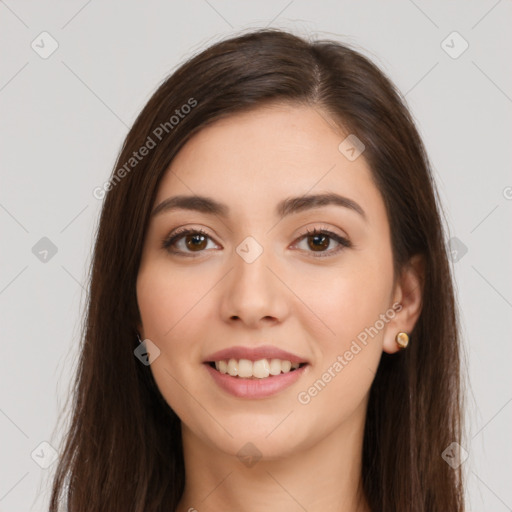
<point x="64" y="118"/>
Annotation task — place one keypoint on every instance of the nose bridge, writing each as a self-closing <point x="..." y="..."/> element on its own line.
<point x="253" y="292"/>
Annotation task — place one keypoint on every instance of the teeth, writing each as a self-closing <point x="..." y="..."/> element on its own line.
<point x="233" y="367"/>
<point x="275" y="366"/>
<point x="260" y="369"/>
<point x="286" y="366"/>
<point x="244" y="368"/>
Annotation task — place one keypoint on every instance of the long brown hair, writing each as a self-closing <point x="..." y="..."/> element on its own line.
<point x="123" y="448"/>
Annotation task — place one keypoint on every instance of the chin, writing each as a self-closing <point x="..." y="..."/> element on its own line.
<point x="266" y="439"/>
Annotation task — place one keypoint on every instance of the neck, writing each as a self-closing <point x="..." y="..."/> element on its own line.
<point x="323" y="477"/>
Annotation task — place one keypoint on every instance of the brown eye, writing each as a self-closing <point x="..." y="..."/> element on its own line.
<point x="194" y="242"/>
<point x="187" y="241"/>
<point x="318" y="242"/>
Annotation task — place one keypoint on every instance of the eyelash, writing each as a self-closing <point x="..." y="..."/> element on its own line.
<point x="168" y="242"/>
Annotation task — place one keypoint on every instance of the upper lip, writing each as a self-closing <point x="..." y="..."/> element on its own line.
<point x="254" y="354"/>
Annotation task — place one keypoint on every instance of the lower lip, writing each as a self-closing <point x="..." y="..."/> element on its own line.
<point x="255" y="388"/>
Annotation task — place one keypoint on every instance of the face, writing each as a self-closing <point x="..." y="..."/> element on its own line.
<point x="314" y="279"/>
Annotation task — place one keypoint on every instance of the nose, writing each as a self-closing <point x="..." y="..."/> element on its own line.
<point x="252" y="293"/>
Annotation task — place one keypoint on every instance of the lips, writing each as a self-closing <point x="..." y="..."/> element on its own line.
<point x="256" y="372"/>
<point x="254" y="354"/>
<point x="255" y="388"/>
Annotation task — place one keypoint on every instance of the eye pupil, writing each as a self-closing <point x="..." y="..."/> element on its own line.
<point x="324" y="240"/>
<point x="193" y="245"/>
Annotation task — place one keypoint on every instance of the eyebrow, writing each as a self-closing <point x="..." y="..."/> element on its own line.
<point x="286" y="207"/>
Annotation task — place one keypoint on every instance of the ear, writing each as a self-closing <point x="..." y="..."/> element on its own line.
<point x="408" y="295"/>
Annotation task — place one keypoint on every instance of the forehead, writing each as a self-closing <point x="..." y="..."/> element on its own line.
<point x="253" y="159"/>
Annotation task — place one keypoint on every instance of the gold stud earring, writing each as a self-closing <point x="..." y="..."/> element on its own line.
<point x="402" y="340"/>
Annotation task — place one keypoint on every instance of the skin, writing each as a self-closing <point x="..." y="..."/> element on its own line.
<point x="290" y="296"/>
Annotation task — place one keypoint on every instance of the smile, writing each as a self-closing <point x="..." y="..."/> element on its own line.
<point x="247" y="385"/>
<point x="260" y="369"/>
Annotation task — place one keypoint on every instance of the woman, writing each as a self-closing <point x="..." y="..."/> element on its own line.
<point x="271" y="320"/>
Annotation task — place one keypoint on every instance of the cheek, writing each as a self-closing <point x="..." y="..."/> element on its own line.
<point x="349" y="299"/>
<point x="172" y="314"/>
<point x="168" y="299"/>
<point x="350" y="305"/>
